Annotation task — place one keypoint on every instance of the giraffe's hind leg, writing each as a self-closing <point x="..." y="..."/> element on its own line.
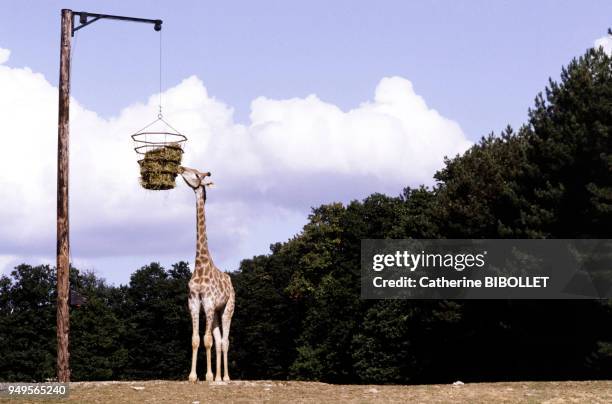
<point x="194" y="308"/>
<point x="217" y="335"/>
<point x="226" y="322"/>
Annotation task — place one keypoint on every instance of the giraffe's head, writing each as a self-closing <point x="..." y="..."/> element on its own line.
<point x="194" y="178"/>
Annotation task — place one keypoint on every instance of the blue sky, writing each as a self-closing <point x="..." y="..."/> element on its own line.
<point x="478" y="62"/>
<point x="472" y="68"/>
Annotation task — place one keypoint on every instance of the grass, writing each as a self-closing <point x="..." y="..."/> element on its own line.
<point x="159" y="167"/>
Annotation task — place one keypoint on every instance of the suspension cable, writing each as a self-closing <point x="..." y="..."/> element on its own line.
<point x="159" y="115"/>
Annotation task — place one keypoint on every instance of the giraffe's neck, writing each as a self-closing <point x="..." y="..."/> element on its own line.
<point x="203" y="262"/>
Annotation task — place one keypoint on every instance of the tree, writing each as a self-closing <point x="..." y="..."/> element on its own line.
<point x="157" y="324"/>
<point x="570" y="143"/>
<point x="27" y="324"/>
<point x="97" y="333"/>
<point x="266" y="321"/>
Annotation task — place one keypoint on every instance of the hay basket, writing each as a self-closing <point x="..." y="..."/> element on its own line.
<point x="162" y="152"/>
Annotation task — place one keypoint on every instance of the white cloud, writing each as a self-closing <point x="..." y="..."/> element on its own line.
<point x="605" y="42"/>
<point x="5" y="54"/>
<point x="394" y="138"/>
<point x="294" y="154"/>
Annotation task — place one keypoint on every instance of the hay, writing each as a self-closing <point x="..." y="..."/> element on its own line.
<point x="160" y="166"/>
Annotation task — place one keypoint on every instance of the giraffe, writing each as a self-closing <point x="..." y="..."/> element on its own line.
<point x="209" y="288"/>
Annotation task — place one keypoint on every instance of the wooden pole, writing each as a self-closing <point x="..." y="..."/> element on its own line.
<point x="63" y="226"/>
<point x="63" y="241"/>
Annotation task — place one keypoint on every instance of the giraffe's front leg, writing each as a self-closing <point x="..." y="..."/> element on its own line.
<point x="208" y="341"/>
<point x="194" y="308"/>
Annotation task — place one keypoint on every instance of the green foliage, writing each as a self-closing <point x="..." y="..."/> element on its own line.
<point x="399" y="340"/>
<point x="142" y="330"/>
<point x="485" y="192"/>
<point x="27" y="324"/>
<point x="96" y="333"/>
<point x="158" y="326"/>
<point x="570" y="142"/>
<point x="266" y="321"/>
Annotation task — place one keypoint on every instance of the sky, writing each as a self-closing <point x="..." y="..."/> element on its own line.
<point x="289" y="104"/>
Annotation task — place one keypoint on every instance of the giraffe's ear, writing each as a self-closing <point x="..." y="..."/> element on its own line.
<point x="210" y="184"/>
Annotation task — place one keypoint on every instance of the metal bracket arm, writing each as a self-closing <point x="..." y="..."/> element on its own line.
<point x="84" y="16"/>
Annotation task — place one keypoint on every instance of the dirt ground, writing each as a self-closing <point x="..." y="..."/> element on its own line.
<point x="159" y="391"/>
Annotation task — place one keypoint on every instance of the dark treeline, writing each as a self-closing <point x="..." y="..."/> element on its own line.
<point x="299" y="314"/>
